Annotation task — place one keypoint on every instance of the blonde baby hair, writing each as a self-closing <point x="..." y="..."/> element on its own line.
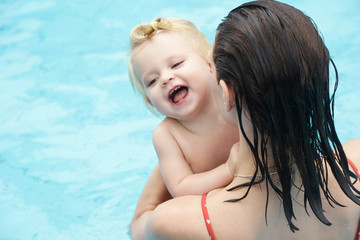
<point x="143" y="32"/>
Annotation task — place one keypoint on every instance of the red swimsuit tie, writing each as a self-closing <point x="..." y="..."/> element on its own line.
<point x="206" y="217"/>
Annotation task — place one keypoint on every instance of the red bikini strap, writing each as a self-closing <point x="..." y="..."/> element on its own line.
<point x="206" y="217"/>
<point x="354" y="168"/>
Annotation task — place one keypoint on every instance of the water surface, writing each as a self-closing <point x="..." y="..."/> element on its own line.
<point x="75" y="142"/>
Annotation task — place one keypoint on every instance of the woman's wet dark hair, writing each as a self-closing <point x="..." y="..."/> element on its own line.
<point x="276" y="61"/>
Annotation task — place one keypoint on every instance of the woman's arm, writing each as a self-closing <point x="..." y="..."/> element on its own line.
<point x="154" y="193"/>
<point x="177" y="219"/>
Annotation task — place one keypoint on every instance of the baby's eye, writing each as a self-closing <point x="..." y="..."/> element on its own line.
<point x="152" y="82"/>
<point x="177" y="64"/>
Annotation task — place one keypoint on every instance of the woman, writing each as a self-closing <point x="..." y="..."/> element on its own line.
<point x="293" y="178"/>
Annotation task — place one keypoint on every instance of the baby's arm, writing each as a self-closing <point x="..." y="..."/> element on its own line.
<point x="177" y="174"/>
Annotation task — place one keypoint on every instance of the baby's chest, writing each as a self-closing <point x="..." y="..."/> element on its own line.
<point x="204" y="155"/>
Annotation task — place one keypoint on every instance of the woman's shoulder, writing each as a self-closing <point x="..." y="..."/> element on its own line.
<point x="352" y="151"/>
<point x="178" y="218"/>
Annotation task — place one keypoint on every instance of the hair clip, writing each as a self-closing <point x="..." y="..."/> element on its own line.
<point x="154" y="25"/>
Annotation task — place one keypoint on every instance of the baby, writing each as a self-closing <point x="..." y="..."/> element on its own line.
<point x="170" y="66"/>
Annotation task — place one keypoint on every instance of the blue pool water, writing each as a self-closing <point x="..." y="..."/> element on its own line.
<point x="75" y="142"/>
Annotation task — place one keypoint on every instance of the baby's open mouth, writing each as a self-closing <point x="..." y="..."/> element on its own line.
<point x="177" y="94"/>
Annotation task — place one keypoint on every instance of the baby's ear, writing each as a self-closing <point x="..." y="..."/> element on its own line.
<point x="148" y="101"/>
<point x="211" y="66"/>
<point x="228" y="95"/>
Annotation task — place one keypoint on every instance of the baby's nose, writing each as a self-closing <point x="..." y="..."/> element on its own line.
<point x="167" y="79"/>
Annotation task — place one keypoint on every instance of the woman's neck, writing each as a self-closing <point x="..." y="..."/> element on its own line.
<point x="246" y="163"/>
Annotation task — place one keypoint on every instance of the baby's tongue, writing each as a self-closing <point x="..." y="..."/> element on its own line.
<point x="180" y="94"/>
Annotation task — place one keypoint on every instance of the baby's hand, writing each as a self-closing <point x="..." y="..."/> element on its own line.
<point x="233" y="157"/>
